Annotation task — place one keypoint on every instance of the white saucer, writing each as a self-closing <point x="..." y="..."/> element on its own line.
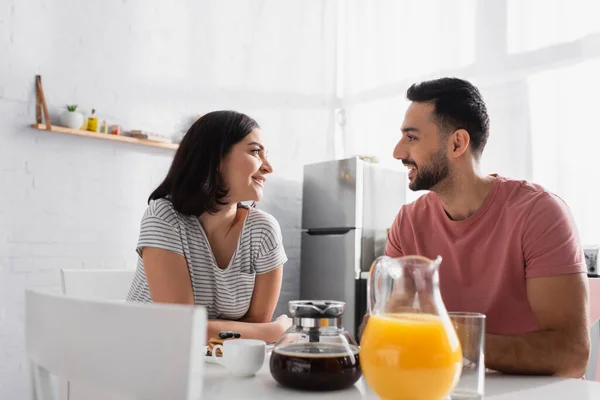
<point x="210" y="360"/>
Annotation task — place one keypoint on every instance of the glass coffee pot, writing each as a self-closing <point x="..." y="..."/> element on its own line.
<point x="409" y="349"/>
<point x="316" y="353"/>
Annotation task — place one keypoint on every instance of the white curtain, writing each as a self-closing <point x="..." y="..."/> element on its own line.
<point x="537" y="63"/>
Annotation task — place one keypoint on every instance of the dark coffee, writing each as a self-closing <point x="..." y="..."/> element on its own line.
<point x="316" y="366"/>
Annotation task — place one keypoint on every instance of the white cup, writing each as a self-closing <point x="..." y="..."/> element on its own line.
<point x="241" y="357"/>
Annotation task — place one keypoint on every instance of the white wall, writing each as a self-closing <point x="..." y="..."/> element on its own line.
<point x="71" y="202"/>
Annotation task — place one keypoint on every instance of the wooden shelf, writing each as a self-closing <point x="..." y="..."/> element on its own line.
<point x="105" y="136"/>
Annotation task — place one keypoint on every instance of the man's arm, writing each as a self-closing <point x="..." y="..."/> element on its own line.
<point x="561" y="347"/>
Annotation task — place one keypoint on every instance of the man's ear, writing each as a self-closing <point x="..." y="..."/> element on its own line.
<point x="458" y="143"/>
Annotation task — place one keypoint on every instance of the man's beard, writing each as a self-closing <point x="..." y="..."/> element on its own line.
<point x="432" y="173"/>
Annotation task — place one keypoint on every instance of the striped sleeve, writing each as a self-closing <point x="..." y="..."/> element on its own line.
<point x="158" y="230"/>
<point x="271" y="253"/>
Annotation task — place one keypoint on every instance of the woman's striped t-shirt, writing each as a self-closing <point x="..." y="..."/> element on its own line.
<point x="226" y="293"/>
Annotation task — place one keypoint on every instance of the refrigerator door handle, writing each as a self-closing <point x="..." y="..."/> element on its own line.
<point x="328" y="232"/>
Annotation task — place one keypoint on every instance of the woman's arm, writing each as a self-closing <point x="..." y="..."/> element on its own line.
<point x="256" y="323"/>
<point x="169" y="282"/>
<point x="267" y="331"/>
<point x="168" y="276"/>
<point x="266" y="291"/>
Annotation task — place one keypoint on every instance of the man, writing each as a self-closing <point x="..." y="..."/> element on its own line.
<point x="510" y="248"/>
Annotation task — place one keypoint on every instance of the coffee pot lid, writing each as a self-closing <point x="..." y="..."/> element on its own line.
<point x="317" y="309"/>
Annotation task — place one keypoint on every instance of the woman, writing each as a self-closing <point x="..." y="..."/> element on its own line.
<point x="199" y="245"/>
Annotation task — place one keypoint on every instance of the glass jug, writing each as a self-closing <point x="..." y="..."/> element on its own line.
<point x="316" y="353"/>
<point x="409" y="349"/>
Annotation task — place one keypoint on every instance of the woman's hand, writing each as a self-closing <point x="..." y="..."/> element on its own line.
<point x="283" y="322"/>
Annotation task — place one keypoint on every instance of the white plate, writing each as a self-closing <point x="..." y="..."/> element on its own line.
<point x="211" y="360"/>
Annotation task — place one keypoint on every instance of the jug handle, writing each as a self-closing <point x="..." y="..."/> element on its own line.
<point x="374" y="274"/>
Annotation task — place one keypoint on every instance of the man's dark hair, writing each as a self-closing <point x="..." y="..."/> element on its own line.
<point x="193" y="184"/>
<point x="457" y="105"/>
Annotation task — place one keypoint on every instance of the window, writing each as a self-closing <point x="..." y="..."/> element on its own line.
<point x="534" y="24"/>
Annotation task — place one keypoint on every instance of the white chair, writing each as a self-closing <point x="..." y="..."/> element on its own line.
<point x="125" y="350"/>
<point x="591" y="373"/>
<point x="105" y="284"/>
<point x="102" y="284"/>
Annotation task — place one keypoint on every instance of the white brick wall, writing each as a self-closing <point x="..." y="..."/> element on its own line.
<point x="70" y="202"/>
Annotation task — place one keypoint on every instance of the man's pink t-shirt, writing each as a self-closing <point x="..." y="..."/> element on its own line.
<point x="521" y="231"/>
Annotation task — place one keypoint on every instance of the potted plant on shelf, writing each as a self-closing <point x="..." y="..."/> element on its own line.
<point x="71" y="118"/>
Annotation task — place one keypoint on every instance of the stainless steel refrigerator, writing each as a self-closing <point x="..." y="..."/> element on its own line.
<point x="347" y="208"/>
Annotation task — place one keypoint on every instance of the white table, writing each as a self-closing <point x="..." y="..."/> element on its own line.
<point x="218" y="385"/>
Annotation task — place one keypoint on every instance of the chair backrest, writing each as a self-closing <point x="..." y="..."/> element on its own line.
<point x="102" y="284"/>
<point x="128" y="350"/>
<point x="591" y="372"/>
<point x="105" y="284"/>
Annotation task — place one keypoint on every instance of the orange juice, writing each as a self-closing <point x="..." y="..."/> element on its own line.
<point x="410" y="357"/>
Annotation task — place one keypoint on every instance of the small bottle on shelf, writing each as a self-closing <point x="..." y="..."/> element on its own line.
<point x="104" y="127"/>
<point x="115" y="130"/>
<point x="92" y="122"/>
